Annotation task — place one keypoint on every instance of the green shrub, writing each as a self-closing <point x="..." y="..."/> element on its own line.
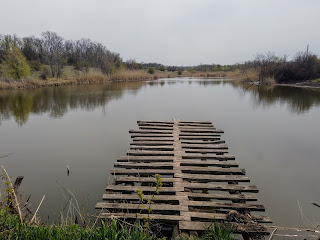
<point x="179" y="72"/>
<point x="162" y="69"/>
<point x="151" y="70"/>
<point x="15" y="64"/>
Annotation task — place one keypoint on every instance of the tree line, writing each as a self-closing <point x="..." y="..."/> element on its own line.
<point x="52" y="50"/>
<point x="304" y="66"/>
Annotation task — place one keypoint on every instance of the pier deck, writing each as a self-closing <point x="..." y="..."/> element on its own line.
<point x="202" y="183"/>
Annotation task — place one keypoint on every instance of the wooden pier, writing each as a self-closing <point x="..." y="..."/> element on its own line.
<point x="202" y="183"/>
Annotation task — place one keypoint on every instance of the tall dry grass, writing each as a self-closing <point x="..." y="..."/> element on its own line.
<point x="93" y="76"/>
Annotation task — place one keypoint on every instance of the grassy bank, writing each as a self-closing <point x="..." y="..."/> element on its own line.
<point x="12" y="228"/>
<point x="71" y="77"/>
<point x="93" y="76"/>
<point x="18" y="222"/>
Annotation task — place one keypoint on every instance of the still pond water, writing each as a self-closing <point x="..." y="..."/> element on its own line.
<point x="274" y="132"/>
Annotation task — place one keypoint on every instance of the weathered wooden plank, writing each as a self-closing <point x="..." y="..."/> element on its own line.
<point x="200" y="131"/>
<point x="154" y="121"/>
<point x="141" y="171"/>
<point x="199" y="137"/>
<point x="150" y="131"/>
<point x="204" y="163"/>
<point x="133" y="216"/>
<point x="214" y="178"/>
<point x="197" y="122"/>
<point x="235" y="227"/>
<point x="201" y="142"/>
<point x="155" y="139"/>
<point x="146" y="135"/>
<point x="145" y="159"/>
<point x="133" y="206"/>
<point x="156" y="127"/>
<point x="148" y="143"/>
<point x="135" y="197"/>
<point x="205" y="146"/>
<point x="165" y="165"/>
<point x="245" y="197"/>
<point x="186" y="134"/>
<point x="211" y="170"/>
<point x="229" y="187"/>
<point x="205" y="150"/>
<point x="225" y="205"/>
<point x="221" y="216"/>
<point x="157" y="148"/>
<point x="208" y="156"/>
<point x="143" y="180"/>
<point x="195" y="125"/>
<point x="118" y="188"/>
<point x="149" y="153"/>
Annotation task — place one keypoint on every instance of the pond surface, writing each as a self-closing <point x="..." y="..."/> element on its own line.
<point x="273" y="132"/>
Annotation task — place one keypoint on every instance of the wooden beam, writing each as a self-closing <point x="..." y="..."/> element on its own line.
<point x="229" y="187"/>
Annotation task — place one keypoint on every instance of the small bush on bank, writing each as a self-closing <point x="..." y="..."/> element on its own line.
<point x="151" y="70"/>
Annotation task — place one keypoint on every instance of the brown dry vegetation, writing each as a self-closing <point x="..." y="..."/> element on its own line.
<point x="93" y="76"/>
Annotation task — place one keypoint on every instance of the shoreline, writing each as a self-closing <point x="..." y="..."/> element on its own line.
<point x="131" y="76"/>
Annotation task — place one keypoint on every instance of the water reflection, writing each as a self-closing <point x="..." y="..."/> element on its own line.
<point x="59" y="100"/>
<point x="299" y="100"/>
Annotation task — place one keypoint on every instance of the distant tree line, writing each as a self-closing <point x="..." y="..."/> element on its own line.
<point x="304" y="66"/>
<point x="54" y="51"/>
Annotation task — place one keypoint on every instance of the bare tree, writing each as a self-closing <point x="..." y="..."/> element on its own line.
<point x="53" y="49"/>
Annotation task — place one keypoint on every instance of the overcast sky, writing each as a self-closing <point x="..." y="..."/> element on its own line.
<point x="173" y="32"/>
